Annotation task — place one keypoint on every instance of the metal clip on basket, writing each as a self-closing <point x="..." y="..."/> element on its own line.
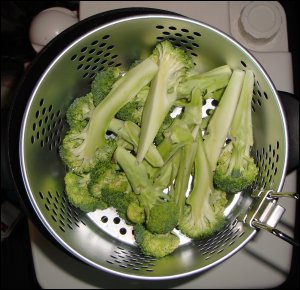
<point x="64" y="70"/>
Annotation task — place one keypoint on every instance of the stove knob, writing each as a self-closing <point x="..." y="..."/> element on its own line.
<point x="260" y="20"/>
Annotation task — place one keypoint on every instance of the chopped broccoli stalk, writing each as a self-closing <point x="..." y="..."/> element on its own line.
<point x="163" y="178"/>
<point x="130" y="132"/>
<point x="149" y="198"/>
<point x="220" y="122"/>
<point x="87" y="142"/>
<point x="103" y="83"/>
<point x="207" y="82"/>
<point x="78" y="194"/>
<point x="201" y="216"/>
<point x="173" y="64"/>
<point x="236" y="169"/>
<point x="156" y="245"/>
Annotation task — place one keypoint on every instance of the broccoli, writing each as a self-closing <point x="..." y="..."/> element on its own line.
<point x="80" y="111"/>
<point x="69" y="148"/>
<point x="154" y="202"/>
<point x="120" y="201"/>
<point x="135" y="213"/>
<point x="207" y="82"/>
<point x="220" y="122"/>
<point x="236" y="169"/>
<point x="103" y="83"/>
<point x="203" y="213"/>
<point x="156" y="245"/>
<point x="85" y="143"/>
<point x="133" y="110"/>
<point x="130" y="132"/>
<point x="78" y="194"/>
<point x="106" y="177"/>
<point x="167" y="122"/>
<point x="173" y="64"/>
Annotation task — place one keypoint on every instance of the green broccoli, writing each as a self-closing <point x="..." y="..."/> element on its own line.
<point x="173" y="64"/>
<point x="80" y="111"/>
<point x="154" y="202"/>
<point x="106" y="177"/>
<point x="133" y="110"/>
<point x="156" y="245"/>
<point x="208" y="82"/>
<point x="220" y="122"/>
<point x="120" y="200"/>
<point x="85" y="143"/>
<point x="236" y="169"/>
<point x="72" y="142"/>
<point x="203" y="213"/>
<point x="103" y="83"/>
<point x="77" y="192"/>
<point x="130" y="132"/>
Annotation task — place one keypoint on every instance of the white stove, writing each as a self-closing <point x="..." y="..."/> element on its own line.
<point x="264" y="262"/>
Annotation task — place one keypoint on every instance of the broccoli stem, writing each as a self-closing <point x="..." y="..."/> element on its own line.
<point x="122" y="91"/>
<point x="221" y="120"/>
<point x="241" y="131"/>
<point x="241" y="127"/>
<point x="130" y="132"/>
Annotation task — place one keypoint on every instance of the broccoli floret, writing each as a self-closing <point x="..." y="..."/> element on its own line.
<point x="79" y="111"/>
<point x="173" y="64"/>
<point x="103" y="83"/>
<point x="86" y="143"/>
<point x="203" y="213"/>
<point x="133" y="110"/>
<point x="136" y="213"/>
<point x="71" y="145"/>
<point x="119" y="200"/>
<point x="78" y="194"/>
<point x="106" y="177"/>
<point x="149" y="198"/>
<point x="156" y="245"/>
<point x="236" y="169"/>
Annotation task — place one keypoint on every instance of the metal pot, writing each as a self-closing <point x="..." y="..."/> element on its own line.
<point x="64" y="70"/>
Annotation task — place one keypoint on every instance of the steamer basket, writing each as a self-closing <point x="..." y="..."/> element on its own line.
<point x="64" y="71"/>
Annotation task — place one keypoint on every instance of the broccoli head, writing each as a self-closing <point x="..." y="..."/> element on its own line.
<point x="156" y="245"/>
<point x="80" y="111"/>
<point x="161" y="215"/>
<point x="78" y="194"/>
<point x="133" y="110"/>
<point x="103" y="82"/>
<point x="235" y="170"/>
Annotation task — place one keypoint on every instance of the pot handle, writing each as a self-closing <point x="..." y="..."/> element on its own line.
<point x="264" y="212"/>
<point x="290" y="105"/>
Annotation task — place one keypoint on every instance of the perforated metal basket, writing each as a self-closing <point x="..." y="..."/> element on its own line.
<point x="64" y="71"/>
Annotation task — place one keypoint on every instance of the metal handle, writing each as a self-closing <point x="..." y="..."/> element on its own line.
<point x="264" y="212"/>
<point x="273" y="194"/>
<point x="275" y="232"/>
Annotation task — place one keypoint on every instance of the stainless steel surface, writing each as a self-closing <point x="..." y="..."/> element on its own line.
<point x="88" y="236"/>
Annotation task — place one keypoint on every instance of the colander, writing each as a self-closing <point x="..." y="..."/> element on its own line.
<point x="64" y="70"/>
